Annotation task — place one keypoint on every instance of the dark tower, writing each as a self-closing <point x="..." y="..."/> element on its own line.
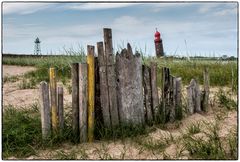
<point x="158" y="44"/>
<point x="37" y="49"/>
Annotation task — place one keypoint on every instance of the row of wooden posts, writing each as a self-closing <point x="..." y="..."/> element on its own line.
<point x="118" y="89"/>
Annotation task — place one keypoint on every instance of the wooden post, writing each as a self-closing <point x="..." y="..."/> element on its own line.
<point x="91" y="88"/>
<point x="197" y="98"/>
<point x="129" y="84"/>
<point x="147" y="94"/>
<point x="98" y="117"/>
<point x="111" y="77"/>
<point x="178" y="98"/>
<point x="103" y="86"/>
<point x="75" y="101"/>
<point x="165" y="94"/>
<point x="155" y="99"/>
<point x="190" y="103"/>
<point x="45" y="110"/>
<point x="194" y="97"/>
<point x="60" y="108"/>
<point x="206" y="91"/>
<point x="83" y="100"/>
<point x="53" y="94"/>
<point x="172" y="98"/>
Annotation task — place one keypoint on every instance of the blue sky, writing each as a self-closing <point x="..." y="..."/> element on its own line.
<point x="210" y="29"/>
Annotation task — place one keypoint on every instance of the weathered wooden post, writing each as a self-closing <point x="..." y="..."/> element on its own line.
<point x="83" y="101"/>
<point x="206" y="90"/>
<point x="91" y="88"/>
<point x="60" y="107"/>
<point x="45" y="110"/>
<point x="104" y="95"/>
<point x="178" y="98"/>
<point x="147" y="94"/>
<point x="53" y="94"/>
<point x="75" y="101"/>
<point x="111" y="77"/>
<point x="165" y="94"/>
<point x="129" y="84"/>
<point x="172" y="99"/>
<point x="197" y="98"/>
<point x="155" y="99"/>
<point x="98" y="117"/>
<point x="193" y="97"/>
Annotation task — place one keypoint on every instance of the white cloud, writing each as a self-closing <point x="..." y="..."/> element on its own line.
<point x="156" y="7"/>
<point x="227" y="11"/>
<point x="206" y="7"/>
<point x="98" y="6"/>
<point x="218" y="9"/>
<point x="23" y="8"/>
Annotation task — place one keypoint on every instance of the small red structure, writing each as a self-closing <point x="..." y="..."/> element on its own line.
<point x="158" y="44"/>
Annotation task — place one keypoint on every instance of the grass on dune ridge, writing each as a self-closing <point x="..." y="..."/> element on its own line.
<point x="222" y="73"/>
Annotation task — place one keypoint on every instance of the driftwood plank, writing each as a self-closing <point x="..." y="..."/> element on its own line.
<point x="75" y="101"/>
<point x="197" y="98"/>
<point x="178" y="98"/>
<point x="147" y="94"/>
<point x="172" y="95"/>
<point x="60" y="108"/>
<point x="98" y="117"/>
<point x="53" y="97"/>
<point x="165" y="94"/>
<point x="83" y="96"/>
<point x="111" y="77"/>
<point x="155" y="99"/>
<point x="193" y="97"/>
<point x="130" y="90"/>
<point x="45" y="109"/>
<point x="91" y="89"/>
<point x="104" y="95"/>
<point x="206" y="90"/>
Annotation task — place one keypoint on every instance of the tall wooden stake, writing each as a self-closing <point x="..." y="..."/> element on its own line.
<point x="53" y="93"/>
<point x="83" y="100"/>
<point x="104" y="96"/>
<point x="155" y="99"/>
<point x="147" y="94"/>
<point x="75" y="101"/>
<point x="111" y="77"/>
<point x="91" y="87"/>
<point x="45" y="110"/>
<point x="60" y="108"/>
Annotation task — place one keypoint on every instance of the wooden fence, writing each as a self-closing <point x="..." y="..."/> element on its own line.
<point x="117" y="90"/>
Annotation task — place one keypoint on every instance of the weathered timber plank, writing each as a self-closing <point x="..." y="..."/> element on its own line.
<point x="178" y="98"/>
<point x="83" y="100"/>
<point x="91" y="89"/>
<point x="104" y="95"/>
<point x="155" y="99"/>
<point x="111" y="77"/>
<point x="45" y="110"/>
<point x="147" y="94"/>
<point x="53" y="97"/>
<point x="97" y="109"/>
<point x="206" y="90"/>
<point x="130" y="90"/>
<point x="60" y="107"/>
<point x="75" y="101"/>
<point x="172" y="95"/>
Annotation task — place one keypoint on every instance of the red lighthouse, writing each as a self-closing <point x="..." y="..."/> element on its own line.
<point x="158" y="44"/>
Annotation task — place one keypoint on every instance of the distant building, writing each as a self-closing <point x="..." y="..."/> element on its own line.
<point x="158" y="44"/>
<point x="37" y="49"/>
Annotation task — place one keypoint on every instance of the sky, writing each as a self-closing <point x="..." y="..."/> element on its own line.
<point x="187" y="29"/>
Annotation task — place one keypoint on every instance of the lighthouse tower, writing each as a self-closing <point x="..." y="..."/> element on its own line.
<point x="158" y="44"/>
